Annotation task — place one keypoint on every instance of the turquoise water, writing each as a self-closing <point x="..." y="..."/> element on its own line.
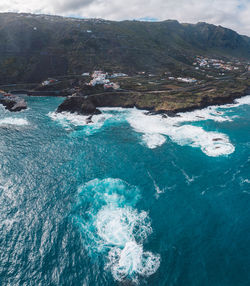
<point x="129" y="199"/>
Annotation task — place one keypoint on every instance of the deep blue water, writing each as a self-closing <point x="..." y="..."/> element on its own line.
<point x="94" y="205"/>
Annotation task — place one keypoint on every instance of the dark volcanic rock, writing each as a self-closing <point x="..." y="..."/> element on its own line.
<point x="13" y="103"/>
<point x="87" y="105"/>
<point x="78" y="104"/>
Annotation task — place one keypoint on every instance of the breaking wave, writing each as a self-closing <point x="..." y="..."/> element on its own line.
<point x="245" y="100"/>
<point x="71" y="120"/>
<point x="113" y="226"/>
<point x="212" y="144"/>
<point x="154" y="127"/>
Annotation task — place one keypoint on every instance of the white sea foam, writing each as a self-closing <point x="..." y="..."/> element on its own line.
<point x="117" y="226"/>
<point x="66" y="118"/>
<point x="155" y="128"/>
<point x="153" y="140"/>
<point x="132" y="259"/>
<point x="124" y="230"/>
<point x="13" y="121"/>
<point x="152" y="126"/>
<point x="211" y="143"/>
<point x="114" y="225"/>
<point x="70" y="120"/>
<point x="247" y="181"/>
<point x="245" y="100"/>
<point x="208" y="113"/>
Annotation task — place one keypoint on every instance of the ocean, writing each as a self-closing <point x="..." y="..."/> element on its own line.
<point x="129" y="199"/>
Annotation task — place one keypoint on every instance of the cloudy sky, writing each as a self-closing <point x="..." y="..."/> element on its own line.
<point x="234" y="14"/>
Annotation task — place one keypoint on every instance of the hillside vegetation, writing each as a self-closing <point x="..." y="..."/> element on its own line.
<point x="34" y="47"/>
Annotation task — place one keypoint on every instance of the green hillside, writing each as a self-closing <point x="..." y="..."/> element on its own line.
<point x="34" y="47"/>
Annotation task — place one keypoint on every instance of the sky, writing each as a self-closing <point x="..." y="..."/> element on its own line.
<point x="234" y="14"/>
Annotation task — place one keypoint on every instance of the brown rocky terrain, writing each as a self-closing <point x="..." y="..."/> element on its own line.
<point x="162" y="101"/>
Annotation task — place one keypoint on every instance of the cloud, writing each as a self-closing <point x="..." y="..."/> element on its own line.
<point x="62" y="6"/>
<point x="233" y="14"/>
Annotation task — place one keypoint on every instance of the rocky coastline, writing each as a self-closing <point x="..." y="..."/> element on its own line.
<point x="12" y="102"/>
<point x="169" y="104"/>
<point x="167" y="99"/>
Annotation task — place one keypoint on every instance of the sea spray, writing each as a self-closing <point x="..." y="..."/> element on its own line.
<point x="113" y="226"/>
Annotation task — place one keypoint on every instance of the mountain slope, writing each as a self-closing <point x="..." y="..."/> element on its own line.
<point x="33" y="47"/>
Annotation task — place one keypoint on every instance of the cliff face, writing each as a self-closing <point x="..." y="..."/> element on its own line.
<point x="34" y="47"/>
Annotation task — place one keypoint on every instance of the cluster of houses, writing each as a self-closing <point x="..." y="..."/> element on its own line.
<point x="201" y="62"/>
<point x="99" y="77"/>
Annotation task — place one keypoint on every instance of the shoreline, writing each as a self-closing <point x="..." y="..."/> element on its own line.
<point x="217" y="102"/>
<point x="161" y="101"/>
<point x="90" y="105"/>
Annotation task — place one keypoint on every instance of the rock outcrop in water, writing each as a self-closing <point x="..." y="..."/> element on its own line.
<point x="78" y="104"/>
<point x="13" y="103"/>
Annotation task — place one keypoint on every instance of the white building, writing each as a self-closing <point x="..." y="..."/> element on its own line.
<point x="111" y="85"/>
<point x="99" y="77"/>
<point x="188" y="80"/>
<point x="118" y="75"/>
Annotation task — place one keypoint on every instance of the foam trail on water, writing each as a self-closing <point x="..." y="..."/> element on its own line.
<point x="13" y="121"/>
<point x="157" y="188"/>
<point x="114" y="226"/>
